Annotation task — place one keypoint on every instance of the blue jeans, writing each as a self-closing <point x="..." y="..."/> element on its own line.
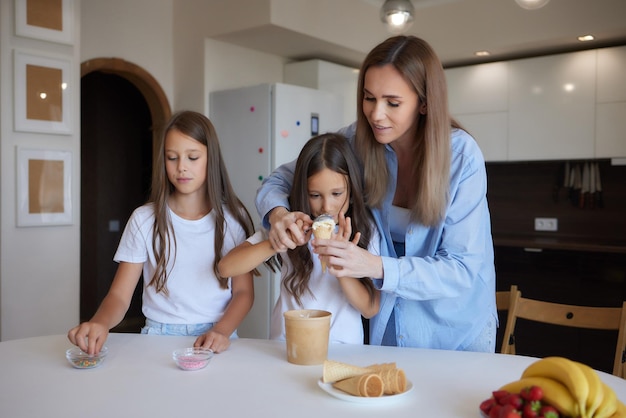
<point x="158" y="328"/>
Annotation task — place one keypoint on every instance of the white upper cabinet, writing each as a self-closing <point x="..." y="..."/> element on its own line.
<point x="479" y="88"/>
<point x="611" y="74"/>
<point x="611" y="103"/>
<point x="478" y="99"/>
<point x="552" y="107"/>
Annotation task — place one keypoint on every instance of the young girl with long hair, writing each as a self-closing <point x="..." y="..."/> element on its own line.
<point x="176" y="240"/>
<point x="327" y="180"/>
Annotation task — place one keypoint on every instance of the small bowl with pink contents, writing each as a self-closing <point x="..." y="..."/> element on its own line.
<point x="192" y="358"/>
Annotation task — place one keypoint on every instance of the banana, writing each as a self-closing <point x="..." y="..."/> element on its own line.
<point x="609" y="405"/>
<point x="596" y="390"/>
<point x="564" y="371"/>
<point x="621" y="411"/>
<point x="554" y="393"/>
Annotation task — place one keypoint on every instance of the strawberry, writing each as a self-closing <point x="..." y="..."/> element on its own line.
<point x="486" y="405"/>
<point x="531" y="409"/>
<point x="548" y="411"/>
<point x="509" y="411"/>
<point x="533" y="393"/>
<point x="515" y="400"/>
<point x="494" y="412"/>
<point x="499" y="395"/>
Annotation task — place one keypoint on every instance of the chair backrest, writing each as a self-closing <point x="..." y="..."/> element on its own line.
<point x="588" y="317"/>
<point x="503" y="303"/>
<point x="503" y="298"/>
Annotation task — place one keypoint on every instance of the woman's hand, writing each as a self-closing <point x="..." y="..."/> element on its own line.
<point x="346" y="259"/>
<point x="288" y="230"/>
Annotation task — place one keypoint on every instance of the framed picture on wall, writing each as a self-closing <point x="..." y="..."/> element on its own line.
<point x="42" y="90"/>
<point x="44" y="187"/>
<point x="48" y="20"/>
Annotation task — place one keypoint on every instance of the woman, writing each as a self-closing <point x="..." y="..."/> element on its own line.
<point x="425" y="181"/>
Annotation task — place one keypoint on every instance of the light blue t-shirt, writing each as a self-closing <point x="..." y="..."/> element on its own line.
<point x="442" y="292"/>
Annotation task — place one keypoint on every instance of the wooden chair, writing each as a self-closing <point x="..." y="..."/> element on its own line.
<point x="587" y="317"/>
<point x="503" y="303"/>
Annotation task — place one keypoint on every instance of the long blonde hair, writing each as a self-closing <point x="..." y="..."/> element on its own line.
<point x="417" y="62"/>
<point x="219" y="192"/>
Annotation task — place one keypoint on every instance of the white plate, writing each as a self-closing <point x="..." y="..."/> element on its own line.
<point x="340" y="394"/>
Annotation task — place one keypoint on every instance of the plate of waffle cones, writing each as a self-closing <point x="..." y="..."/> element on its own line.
<point x="376" y="383"/>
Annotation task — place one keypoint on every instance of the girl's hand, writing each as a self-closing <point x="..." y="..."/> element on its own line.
<point x="89" y="336"/>
<point x="345" y="230"/>
<point x="213" y="340"/>
<point x="288" y="230"/>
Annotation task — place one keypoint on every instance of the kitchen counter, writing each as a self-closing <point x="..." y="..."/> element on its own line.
<point x="560" y="243"/>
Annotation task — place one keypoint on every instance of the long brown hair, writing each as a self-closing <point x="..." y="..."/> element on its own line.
<point x="417" y="62"/>
<point x="218" y="188"/>
<point x="330" y="151"/>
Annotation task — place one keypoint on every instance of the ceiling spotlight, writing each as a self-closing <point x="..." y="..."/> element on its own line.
<point x="397" y="15"/>
<point x="532" y="4"/>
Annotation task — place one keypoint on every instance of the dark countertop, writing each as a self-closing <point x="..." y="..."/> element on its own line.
<point x="561" y="243"/>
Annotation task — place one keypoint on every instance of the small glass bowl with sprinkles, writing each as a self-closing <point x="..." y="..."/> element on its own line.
<point x="192" y="358"/>
<point x="81" y="360"/>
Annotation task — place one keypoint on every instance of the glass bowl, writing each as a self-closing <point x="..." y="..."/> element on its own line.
<point x="81" y="360"/>
<point x="192" y="358"/>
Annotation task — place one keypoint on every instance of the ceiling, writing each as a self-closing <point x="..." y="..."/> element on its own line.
<point x="343" y="31"/>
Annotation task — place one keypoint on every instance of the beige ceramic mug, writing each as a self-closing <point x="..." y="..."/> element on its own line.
<point x="306" y="334"/>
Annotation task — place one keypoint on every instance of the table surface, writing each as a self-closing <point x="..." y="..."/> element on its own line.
<point x="139" y="379"/>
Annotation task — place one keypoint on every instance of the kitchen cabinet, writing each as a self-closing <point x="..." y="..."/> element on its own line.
<point x="611" y="75"/>
<point x="490" y="130"/>
<point x="610" y="130"/>
<point x="552" y="107"/>
<point x="478" y="99"/>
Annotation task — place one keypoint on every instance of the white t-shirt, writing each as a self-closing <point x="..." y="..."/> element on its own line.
<point x="195" y="296"/>
<point x="326" y="294"/>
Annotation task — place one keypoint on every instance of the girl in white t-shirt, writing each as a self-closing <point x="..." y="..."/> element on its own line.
<point x="327" y="180"/>
<point x="176" y="240"/>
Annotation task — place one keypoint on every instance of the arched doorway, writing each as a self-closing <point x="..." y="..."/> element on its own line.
<point x="122" y="109"/>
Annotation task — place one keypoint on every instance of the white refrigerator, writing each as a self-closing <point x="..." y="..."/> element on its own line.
<point x="259" y="128"/>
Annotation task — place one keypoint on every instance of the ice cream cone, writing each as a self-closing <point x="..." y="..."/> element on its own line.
<point x="382" y="366"/>
<point x="334" y="371"/>
<point x="368" y="385"/>
<point x="323" y="227"/>
<point x="394" y="380"/>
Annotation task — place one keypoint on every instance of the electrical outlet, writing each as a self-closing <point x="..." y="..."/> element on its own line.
<point x="546" y="224"/>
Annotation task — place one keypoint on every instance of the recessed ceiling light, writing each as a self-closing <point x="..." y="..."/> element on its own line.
<point x="482" y="53"/>
<point x="586" y="38"/>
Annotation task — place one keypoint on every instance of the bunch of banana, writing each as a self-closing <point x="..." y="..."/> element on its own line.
<point x="573" y="388"/>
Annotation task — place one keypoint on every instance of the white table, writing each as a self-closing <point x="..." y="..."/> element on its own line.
<point x="252" y="378"/>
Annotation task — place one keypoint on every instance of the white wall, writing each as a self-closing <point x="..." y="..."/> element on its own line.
<point x="137" y="31"/>
<point x="228" y="66"/>
<point x="39" y="266"/>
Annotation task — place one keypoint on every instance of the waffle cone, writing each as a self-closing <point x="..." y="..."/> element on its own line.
<point x="323" y="232"/>
<point x="334" y="371"/>
<point x="368" y="385"/>
<point x="382" y="366"/>
<point x="394" y="380"/>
